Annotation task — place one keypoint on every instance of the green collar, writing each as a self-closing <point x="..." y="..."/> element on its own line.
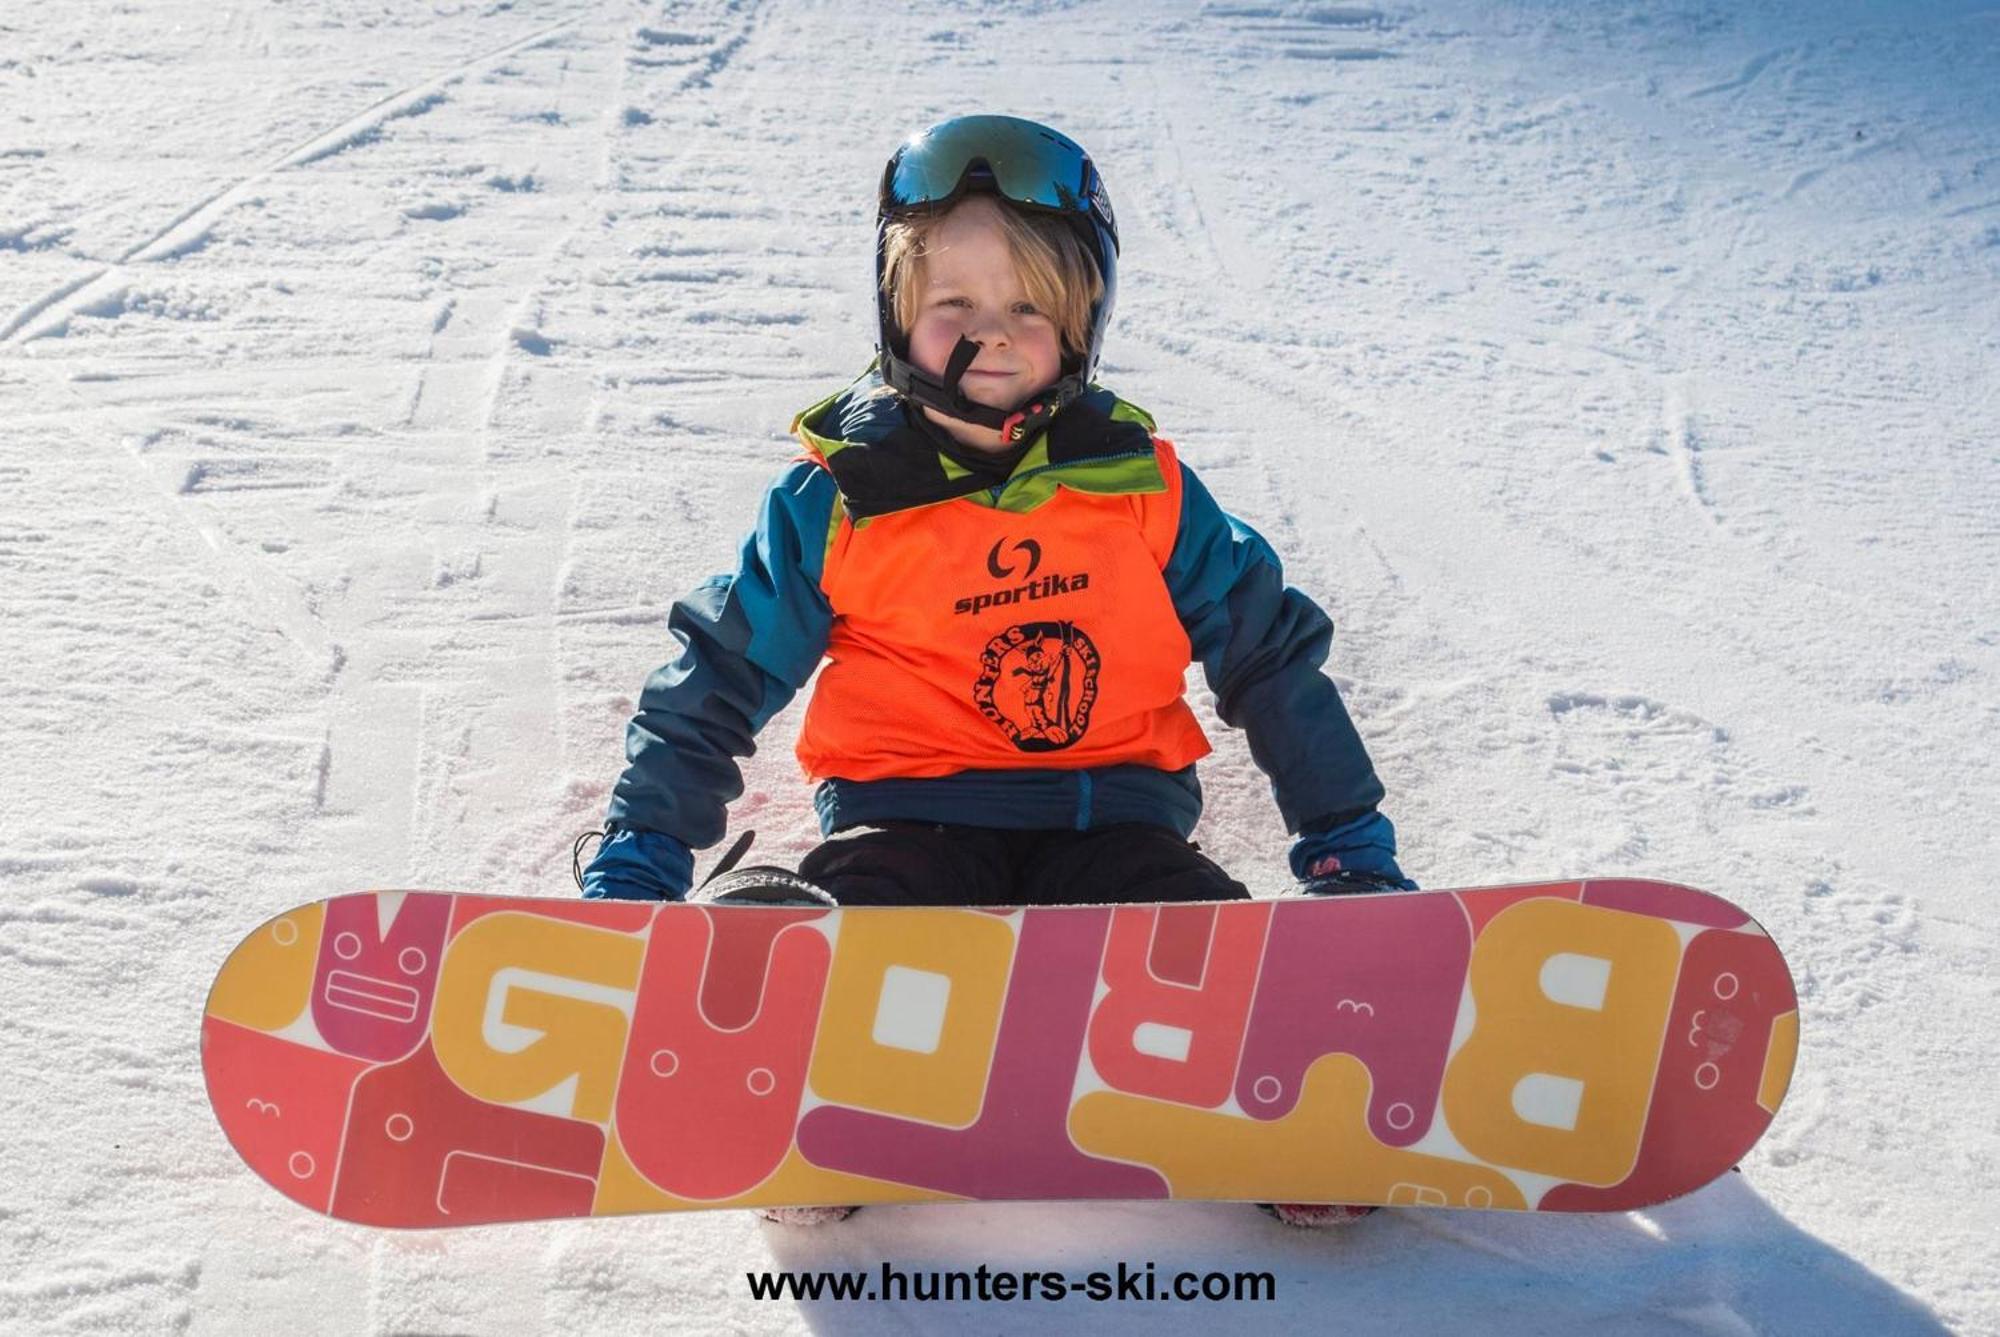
<point x="882" y="465"/>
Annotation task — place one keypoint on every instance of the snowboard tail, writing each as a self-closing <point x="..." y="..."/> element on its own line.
<point x="429" y="1059"/>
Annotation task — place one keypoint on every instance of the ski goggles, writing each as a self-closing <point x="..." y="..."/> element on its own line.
<point x="1021" y="161"/>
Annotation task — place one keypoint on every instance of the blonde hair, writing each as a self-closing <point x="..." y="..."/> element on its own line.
<point x="1059" y="275"/>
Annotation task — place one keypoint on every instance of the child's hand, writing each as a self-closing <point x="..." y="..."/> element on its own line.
<point x="634" y="865"/>
<point x="1357" y="855"/>
<point x="1342" y="881"/>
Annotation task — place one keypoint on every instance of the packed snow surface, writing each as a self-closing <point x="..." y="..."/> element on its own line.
<point x="1621" y="376"/>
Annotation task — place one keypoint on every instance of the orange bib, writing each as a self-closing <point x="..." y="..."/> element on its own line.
<point x="966" y="637"/>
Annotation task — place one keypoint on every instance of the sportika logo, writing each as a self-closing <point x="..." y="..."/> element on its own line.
<point x="1019" y="560"/>
<point x="1027" y="547"/>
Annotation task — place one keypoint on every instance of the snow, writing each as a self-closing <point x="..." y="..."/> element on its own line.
<point x="1620" y="375"/>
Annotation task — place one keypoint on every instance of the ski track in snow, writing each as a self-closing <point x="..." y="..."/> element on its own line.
<point x="1619" y="377"/>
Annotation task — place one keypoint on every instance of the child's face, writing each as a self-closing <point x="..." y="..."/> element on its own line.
<point x="970" y="288"/>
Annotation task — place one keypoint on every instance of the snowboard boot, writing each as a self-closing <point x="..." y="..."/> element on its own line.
<point x="805" y="1216"/>
<point x="761" y="884"/>
<point x="1315" y="1215"/>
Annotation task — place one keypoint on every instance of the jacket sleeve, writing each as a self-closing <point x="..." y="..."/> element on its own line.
<point x="746" y="643"/>
<point x="1261" y="644"/>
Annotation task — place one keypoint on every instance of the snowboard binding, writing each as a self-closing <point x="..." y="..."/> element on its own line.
<point x="759" y="884"/>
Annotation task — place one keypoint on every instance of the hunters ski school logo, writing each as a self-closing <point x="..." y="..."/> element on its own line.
<point x="1030" y="587"/>
<point x="1037" y="682"/>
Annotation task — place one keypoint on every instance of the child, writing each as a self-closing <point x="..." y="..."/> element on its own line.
<point x="1008" y="575"/>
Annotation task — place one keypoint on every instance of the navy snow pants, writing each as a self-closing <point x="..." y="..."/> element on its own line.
<point x="923" y="863"/>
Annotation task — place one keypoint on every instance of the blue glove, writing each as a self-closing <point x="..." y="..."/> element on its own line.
<point x="634" y="865"/>
<point x="1357" y="855"/>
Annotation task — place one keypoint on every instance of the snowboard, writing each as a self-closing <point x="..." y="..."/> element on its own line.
<point x="414" y="1058"/>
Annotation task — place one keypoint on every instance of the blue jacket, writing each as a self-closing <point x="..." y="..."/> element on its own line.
<point x="747" y="642"/>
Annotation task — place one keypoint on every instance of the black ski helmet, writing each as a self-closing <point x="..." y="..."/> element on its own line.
<point x="1031" y="166"/>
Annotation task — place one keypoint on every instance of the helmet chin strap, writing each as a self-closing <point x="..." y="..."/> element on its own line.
<point x="943" y="394"/>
